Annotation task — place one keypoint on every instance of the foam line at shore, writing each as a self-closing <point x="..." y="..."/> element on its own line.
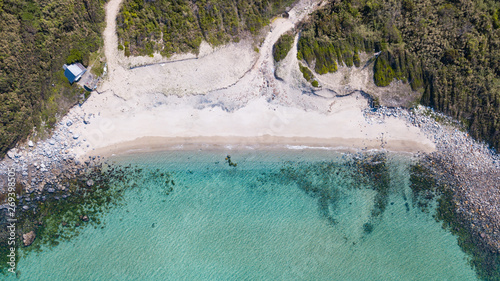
<point x="152" y="144"/>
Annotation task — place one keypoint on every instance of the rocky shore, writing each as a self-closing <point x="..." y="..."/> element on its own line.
<point x="41" y="168"/>
<point x="468" y="167"/>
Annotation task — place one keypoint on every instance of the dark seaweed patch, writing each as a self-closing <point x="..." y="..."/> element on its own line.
<point x="368" y="228"/>
<point x="326" y="180"/>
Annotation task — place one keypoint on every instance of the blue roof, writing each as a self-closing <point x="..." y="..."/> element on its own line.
<point x="74" y="71"/>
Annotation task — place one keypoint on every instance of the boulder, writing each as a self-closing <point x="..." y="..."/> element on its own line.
<point x="11" y="154"/>
<point x="30" y="144"/>
<point x="90" y="183"/>
<point x="28" y="238"/>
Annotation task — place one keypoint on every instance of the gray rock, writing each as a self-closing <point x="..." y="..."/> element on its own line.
<point x="28" y="238"/>
<point x="30" y="144"/>
<point x="52" y="142"/>
<point x="25" y="207"/>
<point x="11" y="154"/>
<point x="51" y="190"/>
<point x="69" y="123"/>
<point x="76" y="137"/>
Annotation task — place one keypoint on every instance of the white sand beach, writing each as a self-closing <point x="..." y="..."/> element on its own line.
<point x="117" y="126"/>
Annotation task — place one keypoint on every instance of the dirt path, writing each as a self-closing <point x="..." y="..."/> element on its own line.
<point x="110" y="36"/>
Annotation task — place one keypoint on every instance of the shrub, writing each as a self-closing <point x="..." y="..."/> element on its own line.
<point x="356" y="60"/>
<point x="449" y="56"/>
<point x="383" y="72"/>
<point x="282" y="46"/>
<point x="306" y="73"/>
<point x="74" y="56"/>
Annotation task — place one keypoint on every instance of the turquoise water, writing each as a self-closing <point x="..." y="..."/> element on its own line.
<point x="252" y="222"/>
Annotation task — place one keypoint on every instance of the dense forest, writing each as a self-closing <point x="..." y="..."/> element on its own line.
<point x="447" y="50"/>
<point x="173" y="26"/>
<point x="36" y="39"/>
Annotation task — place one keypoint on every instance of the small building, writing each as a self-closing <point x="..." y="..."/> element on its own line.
<point x="74" y="71"/>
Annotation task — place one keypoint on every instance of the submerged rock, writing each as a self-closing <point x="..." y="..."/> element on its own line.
<point x="28" y="238"/>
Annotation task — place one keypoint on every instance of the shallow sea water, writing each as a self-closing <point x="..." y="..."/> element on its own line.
<point x="249" y="223"/>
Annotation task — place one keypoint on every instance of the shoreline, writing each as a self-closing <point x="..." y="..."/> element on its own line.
<point x="266" y="142"/>
<point x="347" y="124"/>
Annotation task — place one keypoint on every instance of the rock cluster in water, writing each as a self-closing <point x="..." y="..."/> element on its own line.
<point x="28" y="238"/>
